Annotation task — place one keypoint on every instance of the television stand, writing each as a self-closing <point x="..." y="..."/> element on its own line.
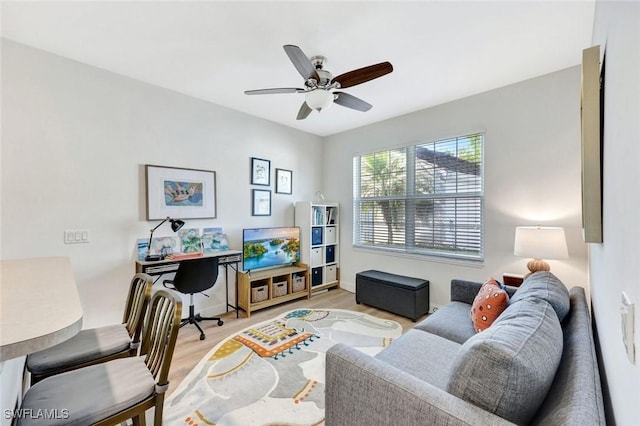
<point x="268" y="287"/>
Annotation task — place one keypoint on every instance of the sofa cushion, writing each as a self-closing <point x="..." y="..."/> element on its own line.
<point x="546" y="286"/>
<point x="488" y="304"/>
<point x="87" y="345"/>
<point x="508" y="369"/>
<point x="451" y="321"/>
<point x="423" y="355"/>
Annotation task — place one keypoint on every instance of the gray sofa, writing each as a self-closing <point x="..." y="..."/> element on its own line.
<point x="535" y="365"/>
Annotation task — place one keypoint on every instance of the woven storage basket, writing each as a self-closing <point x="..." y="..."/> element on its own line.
<point x="279" y="289"/>
<point x="298" y="283"/>
<point x="259" y="293"/>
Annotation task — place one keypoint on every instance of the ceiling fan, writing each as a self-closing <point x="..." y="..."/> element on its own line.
<point x="320" y="86"/>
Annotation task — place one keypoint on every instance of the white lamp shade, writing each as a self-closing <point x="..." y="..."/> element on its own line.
<point x="541" y="242"/>
<point x="319" y="99"/>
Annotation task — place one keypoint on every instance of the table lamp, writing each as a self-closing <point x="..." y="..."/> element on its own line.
<point x="176" y="224"/>
<point x="540" y="242"/>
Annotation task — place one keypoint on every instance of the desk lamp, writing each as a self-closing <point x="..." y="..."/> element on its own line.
<point x="540" y="242"/>
<point x="176" y="224"/>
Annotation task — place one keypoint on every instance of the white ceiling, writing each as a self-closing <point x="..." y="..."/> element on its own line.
<point x="214" y="50"/>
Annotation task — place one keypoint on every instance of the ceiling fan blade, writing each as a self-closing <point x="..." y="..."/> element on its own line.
<point x="304" y="111"/>
<point x="274" y="91"/>
<point x="301" y="62"/>
<point x="361" y="75"/>
<point x="350" y="101"/>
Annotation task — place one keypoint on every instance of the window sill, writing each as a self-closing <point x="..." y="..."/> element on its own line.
<point x="425" y="257"/>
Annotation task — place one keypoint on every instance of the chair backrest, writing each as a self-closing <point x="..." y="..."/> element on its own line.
<point x="161" y="333"/>
<point x="136" y="306"/>
<point x="196" y="275"/>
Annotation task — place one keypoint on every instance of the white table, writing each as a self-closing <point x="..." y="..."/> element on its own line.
<point x="39" y="305"/>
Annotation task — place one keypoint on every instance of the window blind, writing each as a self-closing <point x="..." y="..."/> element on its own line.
<point x="422" y="199"/>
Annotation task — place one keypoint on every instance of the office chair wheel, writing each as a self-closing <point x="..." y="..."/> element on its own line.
<point x="202" y="336"/>
<point x="220" y="322"/>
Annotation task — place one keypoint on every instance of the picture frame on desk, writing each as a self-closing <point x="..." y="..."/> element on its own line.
<point x="180" y="193"/>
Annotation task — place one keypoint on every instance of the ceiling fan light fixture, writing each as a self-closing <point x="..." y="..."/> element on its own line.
<point x="319" y="99"/>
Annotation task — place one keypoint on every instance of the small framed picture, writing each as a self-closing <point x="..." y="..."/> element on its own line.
<point x="260" y="171"/>
<point x="284" y="183"/>
<point x="261" y="202"/>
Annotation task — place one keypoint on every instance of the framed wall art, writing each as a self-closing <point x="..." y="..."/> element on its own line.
<point x="592" y="126"/>
<point x="260" y="171"/>
<point x="180" y="193"/>
<point x="284" y="182"/>
<point x="261" y="202"/>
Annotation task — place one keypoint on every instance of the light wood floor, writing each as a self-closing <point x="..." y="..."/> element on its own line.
<point x="190" y="349"/>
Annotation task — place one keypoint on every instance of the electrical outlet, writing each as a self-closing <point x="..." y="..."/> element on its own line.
<point x="627" y="314"/>
<point x="76" y="236"/>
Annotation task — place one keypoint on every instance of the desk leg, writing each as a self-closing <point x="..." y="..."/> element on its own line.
<point x="226" y="277"/>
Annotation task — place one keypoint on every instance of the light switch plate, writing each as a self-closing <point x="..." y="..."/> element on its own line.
<point x="627" y="315"/>
<point x="76" y="236"/>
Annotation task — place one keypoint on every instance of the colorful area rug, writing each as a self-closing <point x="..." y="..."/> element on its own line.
<point x="273" y="372"/>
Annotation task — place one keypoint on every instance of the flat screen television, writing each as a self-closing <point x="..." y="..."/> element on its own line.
<point x="270" y="247"/>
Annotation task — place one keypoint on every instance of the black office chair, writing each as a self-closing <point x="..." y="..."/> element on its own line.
<point x="195" y="276"/>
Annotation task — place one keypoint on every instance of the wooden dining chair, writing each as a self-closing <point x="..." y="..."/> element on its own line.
<point x="100" y="344"/>
<point x="115" y="391"/>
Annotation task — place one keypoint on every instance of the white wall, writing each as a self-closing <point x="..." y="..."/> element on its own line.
<point x="532" y="176"/>
<point x="614" y="263"/>
<point x="74" y="143"/>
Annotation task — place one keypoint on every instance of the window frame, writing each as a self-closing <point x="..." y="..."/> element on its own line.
<point x="408" y="248"/>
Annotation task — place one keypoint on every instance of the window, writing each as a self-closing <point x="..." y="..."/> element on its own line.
<point x="421" y="199"/>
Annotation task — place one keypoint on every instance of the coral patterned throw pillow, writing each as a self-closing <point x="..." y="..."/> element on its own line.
<point x="488" y="305"/>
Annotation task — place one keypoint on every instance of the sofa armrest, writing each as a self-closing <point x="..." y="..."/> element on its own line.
<point x="464" y="291"/>
<point x="362" y="390"/>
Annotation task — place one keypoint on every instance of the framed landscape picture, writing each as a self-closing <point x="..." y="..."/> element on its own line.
<point x="284" y="181"/>
<point x="180" y="193"/>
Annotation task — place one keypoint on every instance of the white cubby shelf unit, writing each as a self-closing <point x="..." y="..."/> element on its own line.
<point x="319" y="242"/>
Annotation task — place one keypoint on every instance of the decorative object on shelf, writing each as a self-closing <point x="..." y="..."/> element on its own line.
<point x="213" y="240"/>
<point x="261" y="202"/>
<point x="284" y="181"/>
<point x="540" y="242"/>
<point x="143" y="248"/>
<point x="177" y="192"/>
<point x="318" y="197"/>
<point x="592" y="129"/>
<point x="190" y="240"/>
<point x="260" y="171"/>
<point x="176" y="224"/>
<point x="271" y="370"/>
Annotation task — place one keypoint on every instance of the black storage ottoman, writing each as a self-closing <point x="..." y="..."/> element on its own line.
<point x="401" y="295"/>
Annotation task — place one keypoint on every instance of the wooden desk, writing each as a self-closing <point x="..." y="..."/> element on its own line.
<point x="225" y="258"/>
<point x="40" y="305"/>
